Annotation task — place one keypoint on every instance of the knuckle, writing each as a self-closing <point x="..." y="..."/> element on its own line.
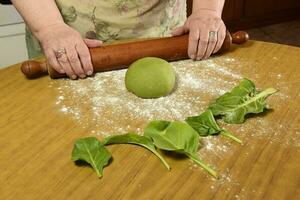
<point x="194" y="32"/>
<point x="200" y="53"/>
<point x="213" y="40"/>
<point x="194" y="38"/>
<point x="53" y="61"/>
<point x="73" y="59"/>
<point x="49" y="56"/>
<point x="85" y="54"/>
<point x="48" y="52"/>
<point x="203" y="41"/>
<point x="63" y="60"/>
<point x="69" y="73"/>
<point x="195" y="22"/>
<point x="46" y="46"/>
<point x="55" y="66"/>
<point x="86" y="65"/>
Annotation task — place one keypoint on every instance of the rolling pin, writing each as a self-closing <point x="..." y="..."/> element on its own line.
<point x="119" y="56"/>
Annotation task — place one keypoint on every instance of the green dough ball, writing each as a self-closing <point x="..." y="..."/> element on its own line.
<point x="150" y="78"/>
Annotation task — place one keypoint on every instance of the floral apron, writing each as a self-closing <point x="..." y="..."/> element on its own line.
<point x="110" y="20"/>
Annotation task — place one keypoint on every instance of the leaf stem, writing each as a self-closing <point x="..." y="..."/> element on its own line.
<point x="265" y="93"/>
<point x="162" y="160"/>
<point x="203" y="165"/>
<point x="231" y="136"/>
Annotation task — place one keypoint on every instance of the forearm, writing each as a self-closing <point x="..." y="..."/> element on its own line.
<point x="215" y="6"/>
<point x="38" y="14"/>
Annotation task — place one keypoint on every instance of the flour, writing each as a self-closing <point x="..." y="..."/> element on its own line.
<point x="101" y="105"/>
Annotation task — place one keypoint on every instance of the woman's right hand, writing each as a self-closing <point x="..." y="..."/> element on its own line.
<point x="76" y="61"/>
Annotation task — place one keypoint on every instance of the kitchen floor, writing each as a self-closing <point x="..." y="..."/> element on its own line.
<point x="283" y="33"/>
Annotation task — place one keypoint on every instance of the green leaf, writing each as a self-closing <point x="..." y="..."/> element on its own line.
<point x="242" y="100"/>
<point x="205" y="124"/>
<point x="173" y="136"/>
<point x="176" y="136"/>
<point x="132" y="138"/>
<point x="93" y="152"/>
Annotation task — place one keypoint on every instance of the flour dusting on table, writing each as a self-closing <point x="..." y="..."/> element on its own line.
<point x="103" y="106"/>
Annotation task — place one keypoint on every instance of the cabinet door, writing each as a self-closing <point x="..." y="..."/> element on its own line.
<point x="9" y="15"/>
<point x="233" y="10"/>
<point x="254" y="8"/>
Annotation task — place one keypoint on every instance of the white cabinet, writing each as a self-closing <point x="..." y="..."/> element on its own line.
<point x="12" y="37"/>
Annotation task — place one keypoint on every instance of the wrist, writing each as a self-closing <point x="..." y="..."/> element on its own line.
<point x="207" y="12"/>
<point x="42" y="30"/>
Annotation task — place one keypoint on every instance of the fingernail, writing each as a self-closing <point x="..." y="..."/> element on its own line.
<point x="73" y="77"/>
<point x="82" y="75"/>
<point x="193" y="57"/>
<point x="89" y="73"/>
<point x="198" y="58"/>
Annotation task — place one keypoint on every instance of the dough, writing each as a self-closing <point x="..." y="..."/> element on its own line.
<point x="150" y="78"/>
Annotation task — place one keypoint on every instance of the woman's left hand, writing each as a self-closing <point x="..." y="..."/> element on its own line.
<point x="207" y="32"/>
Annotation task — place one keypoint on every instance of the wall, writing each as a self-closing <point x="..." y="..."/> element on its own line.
<point x="12" y="37"/>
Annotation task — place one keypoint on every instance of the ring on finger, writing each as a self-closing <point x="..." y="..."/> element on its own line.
<point x="64" y="62"/>
<point x="213" y="35"/>
<point x="60" y="52"/>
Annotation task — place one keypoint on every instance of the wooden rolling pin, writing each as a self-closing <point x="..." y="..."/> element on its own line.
<point x="118" y="56"/>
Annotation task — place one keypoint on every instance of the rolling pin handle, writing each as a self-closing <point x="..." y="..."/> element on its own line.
<point x="34" y="69"/>
<point x="240" y="37"/>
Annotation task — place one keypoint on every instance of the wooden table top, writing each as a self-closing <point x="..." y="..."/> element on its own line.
<point x="36" y="141"/>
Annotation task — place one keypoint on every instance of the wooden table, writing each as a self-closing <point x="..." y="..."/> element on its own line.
<point x="36" y="141"/>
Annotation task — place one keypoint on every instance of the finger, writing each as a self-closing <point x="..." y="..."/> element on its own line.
<point x="92" y="43"/>
<point x="51" y="57"/>
<point x="221" y="38"/>
<point x="193" y="42"/>
<point x="75" y="62"/>
<point x="212" y="41"/>
<point x="202" y="45"/>
<point x="64" y="62"/>
<point x="179" y="31"/>
<point x="85" y="58"/>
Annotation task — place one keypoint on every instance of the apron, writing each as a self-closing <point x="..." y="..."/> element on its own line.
<point x="111" y="20"/>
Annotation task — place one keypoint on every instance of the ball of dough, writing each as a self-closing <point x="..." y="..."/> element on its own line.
<point x="150" y="78"/>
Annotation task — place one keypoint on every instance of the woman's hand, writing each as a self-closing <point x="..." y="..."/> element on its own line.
<point x="207" y="32"/>
<point x="66" y="50"/>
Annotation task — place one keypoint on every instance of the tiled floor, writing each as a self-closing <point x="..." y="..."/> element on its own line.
<point x="283" y="33"/>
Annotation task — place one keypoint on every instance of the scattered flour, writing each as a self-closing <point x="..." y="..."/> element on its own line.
<point x="103" y="106"/>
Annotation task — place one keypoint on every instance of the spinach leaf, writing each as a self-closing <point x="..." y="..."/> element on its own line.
<point x="176" y="136"/>
<point x="132" y="138"/>
<point x="242" y="100"/>
<point x="205" y="124"/>
<point x="93" y="152"/>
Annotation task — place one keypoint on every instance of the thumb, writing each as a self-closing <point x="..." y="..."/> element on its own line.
<point x="92" y="43"/>
<point x="179" y="31"/>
